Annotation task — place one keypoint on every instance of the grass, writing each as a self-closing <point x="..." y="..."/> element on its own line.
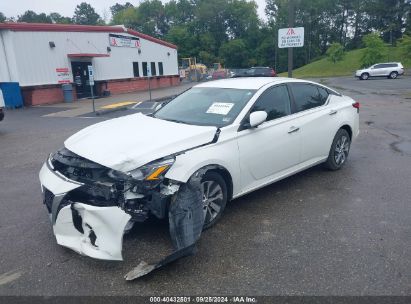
<point x="346" y="67"/>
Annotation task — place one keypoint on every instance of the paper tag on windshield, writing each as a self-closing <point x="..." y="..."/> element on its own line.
<point x="220" y="108"/>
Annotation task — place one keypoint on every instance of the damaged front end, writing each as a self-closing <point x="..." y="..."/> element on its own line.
<point x="91" y="206"/>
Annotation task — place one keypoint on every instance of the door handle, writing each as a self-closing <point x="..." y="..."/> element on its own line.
<point x="293" y="129"/>
<point x="333" y="112"/>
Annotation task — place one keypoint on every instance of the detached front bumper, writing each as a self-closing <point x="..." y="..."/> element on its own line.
<point x="89" y="230"/>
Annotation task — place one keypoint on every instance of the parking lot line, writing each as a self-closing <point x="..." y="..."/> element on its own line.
<point x="118" y="104"/>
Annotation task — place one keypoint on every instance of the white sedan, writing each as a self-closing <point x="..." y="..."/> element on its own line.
<point x="211" y="144"/>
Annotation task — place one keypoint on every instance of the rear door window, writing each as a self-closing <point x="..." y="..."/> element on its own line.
<point x="307" y="96"/>
<point x="323" y="93"/>
<point x="275" y="101"/>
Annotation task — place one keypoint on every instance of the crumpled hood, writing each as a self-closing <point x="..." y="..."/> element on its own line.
<point x="129" y="142"/>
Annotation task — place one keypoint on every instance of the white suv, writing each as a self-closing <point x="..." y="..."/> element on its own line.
<point x="389" y="70"/>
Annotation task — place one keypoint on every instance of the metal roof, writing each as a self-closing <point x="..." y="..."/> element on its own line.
<point x="47" y="27"/>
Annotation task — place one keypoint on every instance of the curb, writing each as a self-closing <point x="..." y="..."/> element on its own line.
<point x="107" y="111"/>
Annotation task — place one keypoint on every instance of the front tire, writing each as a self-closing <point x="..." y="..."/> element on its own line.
<point x="214" y="193"/>
<point x="339" y="150"/>
<point x="393" y="75"/>
<point x="365" y="76"/>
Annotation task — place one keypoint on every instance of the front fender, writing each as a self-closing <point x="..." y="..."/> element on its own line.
<point x="224" y="154"/>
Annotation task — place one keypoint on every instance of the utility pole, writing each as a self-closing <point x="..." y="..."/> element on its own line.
<point x="291" y="19"/>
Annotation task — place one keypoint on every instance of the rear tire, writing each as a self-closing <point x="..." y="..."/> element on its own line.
<point x="214" y="191"/>
<point x="393" y="75"/>
<point x="339" y="150"/>
<point x="364" y="76"/>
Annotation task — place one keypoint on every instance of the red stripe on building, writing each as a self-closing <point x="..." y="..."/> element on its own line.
<point x="46" y="27"/>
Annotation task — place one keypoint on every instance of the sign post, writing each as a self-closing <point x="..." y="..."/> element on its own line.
<point x="91" y="83"/>
<point x="291" y="19"/>
<point x="149" y="80"/>
<point x="290" y="38"/>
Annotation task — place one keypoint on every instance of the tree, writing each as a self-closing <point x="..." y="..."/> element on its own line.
<point x="57" y="18"/>
<point x="116" y="8"/>
<point x="235" y="54"/>
<point x="405" y="46"/>
<point x="32" y="17"/>
<point x="374" y="50"/>
<point x="207" y="58"/>
<point x="2" y="17"/>
<point x="335" y="52"/>
<point x="187" y="44"/>
<point x="388" y="17"/>
<point x="241" y="18"/>
<point x="128" y="17"/>
<point x="180" y="11"/>
<point x="85" y="14"/>
<point x="151" y="16"/>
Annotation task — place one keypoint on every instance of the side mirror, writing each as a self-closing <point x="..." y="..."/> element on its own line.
<point x="257" y="118"/>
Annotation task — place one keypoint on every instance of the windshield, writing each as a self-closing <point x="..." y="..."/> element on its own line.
<point x="206" y="106"/>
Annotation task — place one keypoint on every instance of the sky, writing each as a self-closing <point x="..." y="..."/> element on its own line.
<point x="12" y="8"/>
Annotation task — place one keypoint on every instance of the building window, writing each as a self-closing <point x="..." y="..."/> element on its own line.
<point x="144" y="68"/>
<point x="153" y="69"/>
<point x="160" y="69"/>
<point x="136" y="70"/>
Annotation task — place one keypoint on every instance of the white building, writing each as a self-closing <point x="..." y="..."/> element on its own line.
<point x="41" y="57"/>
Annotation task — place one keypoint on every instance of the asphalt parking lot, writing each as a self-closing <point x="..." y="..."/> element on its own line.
<point x="316" y="233"/>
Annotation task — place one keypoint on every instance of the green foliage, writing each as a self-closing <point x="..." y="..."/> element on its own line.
<point x="235" y="54"/>
<point x="186" y="41"/>
<point x="207" y="28"/>
<point x="57" y="18"/>
<point x="323" y="68"/>
<point x="347" y="66"/>
<point x="32" y="17"/>
<point x="405" y="47"/>
<point x="335" y="52"/>
<point x="127" y="17"/>
<point x="2" y="17"/>
<point x="85" y="14"/>
<point x="207" y="58"/>
<point x="374" y="50"/>
<point x="151" y="16"/>
<point x="116" y="8"/>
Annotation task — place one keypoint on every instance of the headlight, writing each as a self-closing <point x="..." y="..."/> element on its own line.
<point x="153" y="171"/>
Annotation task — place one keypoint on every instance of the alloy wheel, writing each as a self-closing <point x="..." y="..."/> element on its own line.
<point x="341" y="150"/>
<point x="213" y="198"/>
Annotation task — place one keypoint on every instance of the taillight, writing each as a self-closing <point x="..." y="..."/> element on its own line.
<point x="357" y="106"/>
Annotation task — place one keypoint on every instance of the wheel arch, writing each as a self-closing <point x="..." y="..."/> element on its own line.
<point x="225" y="174"/>
<point x="347" y="128"/>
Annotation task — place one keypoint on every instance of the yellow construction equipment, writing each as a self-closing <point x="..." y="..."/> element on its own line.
<point x="192" y="70"/>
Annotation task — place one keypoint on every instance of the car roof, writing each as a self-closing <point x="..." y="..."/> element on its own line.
<point x="388" y="63"/>
<point x="248" y="83"/>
